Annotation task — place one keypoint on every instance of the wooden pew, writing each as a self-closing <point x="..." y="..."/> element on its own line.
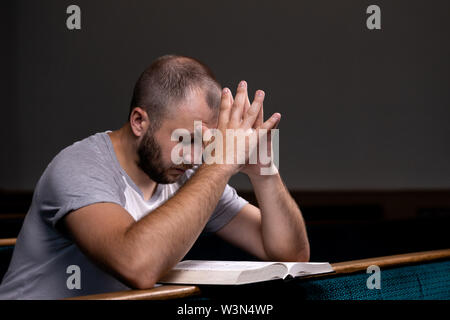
<point x="8" y="242"/>
<point x="347" y="268"/>
<point x="390" y="261"/>
<point x="166" y="292"/>
<point x="342" y="269"/>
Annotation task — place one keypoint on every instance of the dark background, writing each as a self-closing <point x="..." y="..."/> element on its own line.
<point x="364" y="135"/>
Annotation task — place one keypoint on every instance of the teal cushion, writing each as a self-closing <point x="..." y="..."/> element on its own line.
<point x="428" y="281"/>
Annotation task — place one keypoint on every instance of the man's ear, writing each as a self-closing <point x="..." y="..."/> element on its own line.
<point x="139" y="121"/>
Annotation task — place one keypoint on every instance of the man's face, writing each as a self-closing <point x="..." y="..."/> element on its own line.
<point x="156" y="147"/>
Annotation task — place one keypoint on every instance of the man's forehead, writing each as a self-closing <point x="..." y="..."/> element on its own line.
<point x="191" y="124"/>
<point x="194" y="108"/>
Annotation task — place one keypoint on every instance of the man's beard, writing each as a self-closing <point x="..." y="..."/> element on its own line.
<point x="150" y="161"/>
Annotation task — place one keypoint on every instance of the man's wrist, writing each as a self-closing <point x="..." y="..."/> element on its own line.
<point x="261" y="178"/>
<point x="226" y="170"/>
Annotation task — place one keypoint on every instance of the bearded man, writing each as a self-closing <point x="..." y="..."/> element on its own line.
<point x="115" y="207"/>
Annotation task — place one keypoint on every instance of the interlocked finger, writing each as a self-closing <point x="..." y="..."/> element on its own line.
<point x="253" y="111"/>
<point x="238" y="105"/>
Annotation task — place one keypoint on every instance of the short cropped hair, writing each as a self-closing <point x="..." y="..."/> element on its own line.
<point x="168" y="81"/>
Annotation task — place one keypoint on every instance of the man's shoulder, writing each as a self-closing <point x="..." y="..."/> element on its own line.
<point x="93" y="146"/>
<point x="89" y="157"/>
<point x="80" y="173"/>
<point x="88" y="151"/>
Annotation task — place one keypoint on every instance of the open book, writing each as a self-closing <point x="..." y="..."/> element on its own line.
<point x="239" y="272"/>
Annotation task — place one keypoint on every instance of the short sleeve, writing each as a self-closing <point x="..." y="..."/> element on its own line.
<point x="74" y="180"/>
<point x="228" y="206"/>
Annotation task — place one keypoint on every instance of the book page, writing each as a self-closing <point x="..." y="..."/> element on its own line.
<point x="224" y="272"/>
<point x="239" y="272"/>
<point x="217" y="265"/>
<point x="296" y="269"/>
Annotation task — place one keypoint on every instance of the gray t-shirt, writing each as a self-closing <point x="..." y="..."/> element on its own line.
<point x="84" y="173"/>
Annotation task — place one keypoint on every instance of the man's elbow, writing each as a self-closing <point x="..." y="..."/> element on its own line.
<point x="141" y="283"/>
<point x="138" y="276"/>
<point x="302" y="255"/>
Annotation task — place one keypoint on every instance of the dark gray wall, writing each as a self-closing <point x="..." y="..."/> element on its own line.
<point x="360" y="109"/>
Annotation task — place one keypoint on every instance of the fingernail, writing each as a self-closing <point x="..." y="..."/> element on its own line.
<point x="242" y="84"/>
<point x="260" y="93"/>
<point x="225" y="91"/>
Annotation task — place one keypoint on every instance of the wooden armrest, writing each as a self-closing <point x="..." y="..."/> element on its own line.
<point x="163" y="292"/>
<point x="7" y="242"/>
<point x="390" y="261"/>
<point x="8" y="216"/>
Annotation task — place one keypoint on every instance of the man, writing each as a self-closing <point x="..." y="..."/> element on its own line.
<point x="114" y="209"/>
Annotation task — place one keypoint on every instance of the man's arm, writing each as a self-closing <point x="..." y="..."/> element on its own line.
<point x="276" y="231"/>
<point x="140" y="252"/>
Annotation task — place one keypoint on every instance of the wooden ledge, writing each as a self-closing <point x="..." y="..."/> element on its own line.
<point x="390" y="261"/>
<point x="8" y="216"/>
<point x="7" y="242"/>
<point x="163" y="292"/>
<point x="166" y="292"/>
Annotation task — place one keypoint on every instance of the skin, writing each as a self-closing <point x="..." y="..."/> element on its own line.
<point x="141" y="252"/>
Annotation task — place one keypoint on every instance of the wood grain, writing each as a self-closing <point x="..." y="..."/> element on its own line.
<point x="9" y="216"/>
<point x="390" y="261"/>
<point x="163" y="292"/>
<point x="7" y="242"/>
